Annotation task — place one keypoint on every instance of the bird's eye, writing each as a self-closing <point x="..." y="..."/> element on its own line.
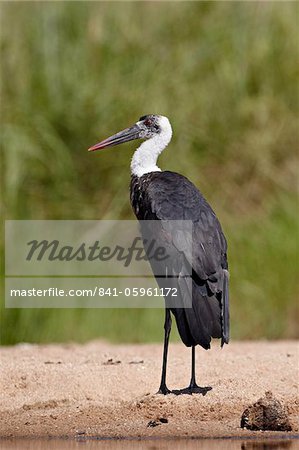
<point x="148" y="122"/>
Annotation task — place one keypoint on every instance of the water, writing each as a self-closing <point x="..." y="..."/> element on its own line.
<point x="150" y="444"/>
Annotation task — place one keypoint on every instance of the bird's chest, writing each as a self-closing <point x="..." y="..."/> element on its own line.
<point x="139" y="196"/>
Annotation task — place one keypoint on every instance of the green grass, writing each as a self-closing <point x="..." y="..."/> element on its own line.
<point x="225" y="73"/>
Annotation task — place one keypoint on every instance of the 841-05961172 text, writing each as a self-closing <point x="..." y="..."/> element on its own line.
<point x="97" y="291"/>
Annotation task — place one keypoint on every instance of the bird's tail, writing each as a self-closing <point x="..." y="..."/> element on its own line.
<point x="199" y="321"/>
<point x="207" y="317"/>
<point x="225" y="309"/>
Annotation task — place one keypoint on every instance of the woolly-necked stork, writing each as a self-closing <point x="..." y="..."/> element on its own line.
<point x="168" y="196"/>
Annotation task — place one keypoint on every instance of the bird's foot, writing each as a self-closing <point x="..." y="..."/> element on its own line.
<point x="192" y="389"/>
<point x="164" y="390"/>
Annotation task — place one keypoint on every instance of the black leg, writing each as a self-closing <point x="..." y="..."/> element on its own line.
<point x="167" y="327"/>
<point x="193" y="388"/>
<point x="193" y="380"/>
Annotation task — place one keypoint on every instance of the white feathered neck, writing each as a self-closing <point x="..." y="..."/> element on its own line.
<point x="145" y="157"/>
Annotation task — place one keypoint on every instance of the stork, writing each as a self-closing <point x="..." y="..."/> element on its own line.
<point x="166" y="196"/>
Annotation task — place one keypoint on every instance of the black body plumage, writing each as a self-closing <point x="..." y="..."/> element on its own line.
<point x="166" y="196"/>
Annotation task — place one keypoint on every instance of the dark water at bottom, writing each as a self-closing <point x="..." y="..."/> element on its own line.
<point x="150" y="444"/>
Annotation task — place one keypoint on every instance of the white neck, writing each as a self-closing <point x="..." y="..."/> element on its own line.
<point x="145" y="157"/>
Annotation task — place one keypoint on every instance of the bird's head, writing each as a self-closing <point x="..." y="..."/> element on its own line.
<point x="147" y="127"/>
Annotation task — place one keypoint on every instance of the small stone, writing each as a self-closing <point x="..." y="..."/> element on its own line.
<point x="153" y="423"/>
<point x="266" y="414"/>
<point x="111" y="362"/>
<point x="163" y="420"/>
<point x="157" y="422"/>
<point x="52" y="362"/>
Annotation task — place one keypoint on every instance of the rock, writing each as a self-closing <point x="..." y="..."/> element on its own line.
<point x="111" y="362"/>
<point x="266" y="414"/>
<point x="159" y="421"/>
<point x="163" y="420"/>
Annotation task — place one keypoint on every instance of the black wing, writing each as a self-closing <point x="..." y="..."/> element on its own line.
<point x="167" y="196"/>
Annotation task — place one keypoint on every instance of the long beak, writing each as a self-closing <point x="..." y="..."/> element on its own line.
<point x="129" y="134"/>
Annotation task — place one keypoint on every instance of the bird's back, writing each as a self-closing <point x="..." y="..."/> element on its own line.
<point x="169" y="196"/>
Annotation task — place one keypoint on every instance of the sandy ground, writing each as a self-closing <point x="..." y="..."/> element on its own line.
<point x="103" y="390"/>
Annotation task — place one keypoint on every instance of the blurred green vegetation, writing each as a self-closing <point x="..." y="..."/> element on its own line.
<point x="226" y="75"/>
